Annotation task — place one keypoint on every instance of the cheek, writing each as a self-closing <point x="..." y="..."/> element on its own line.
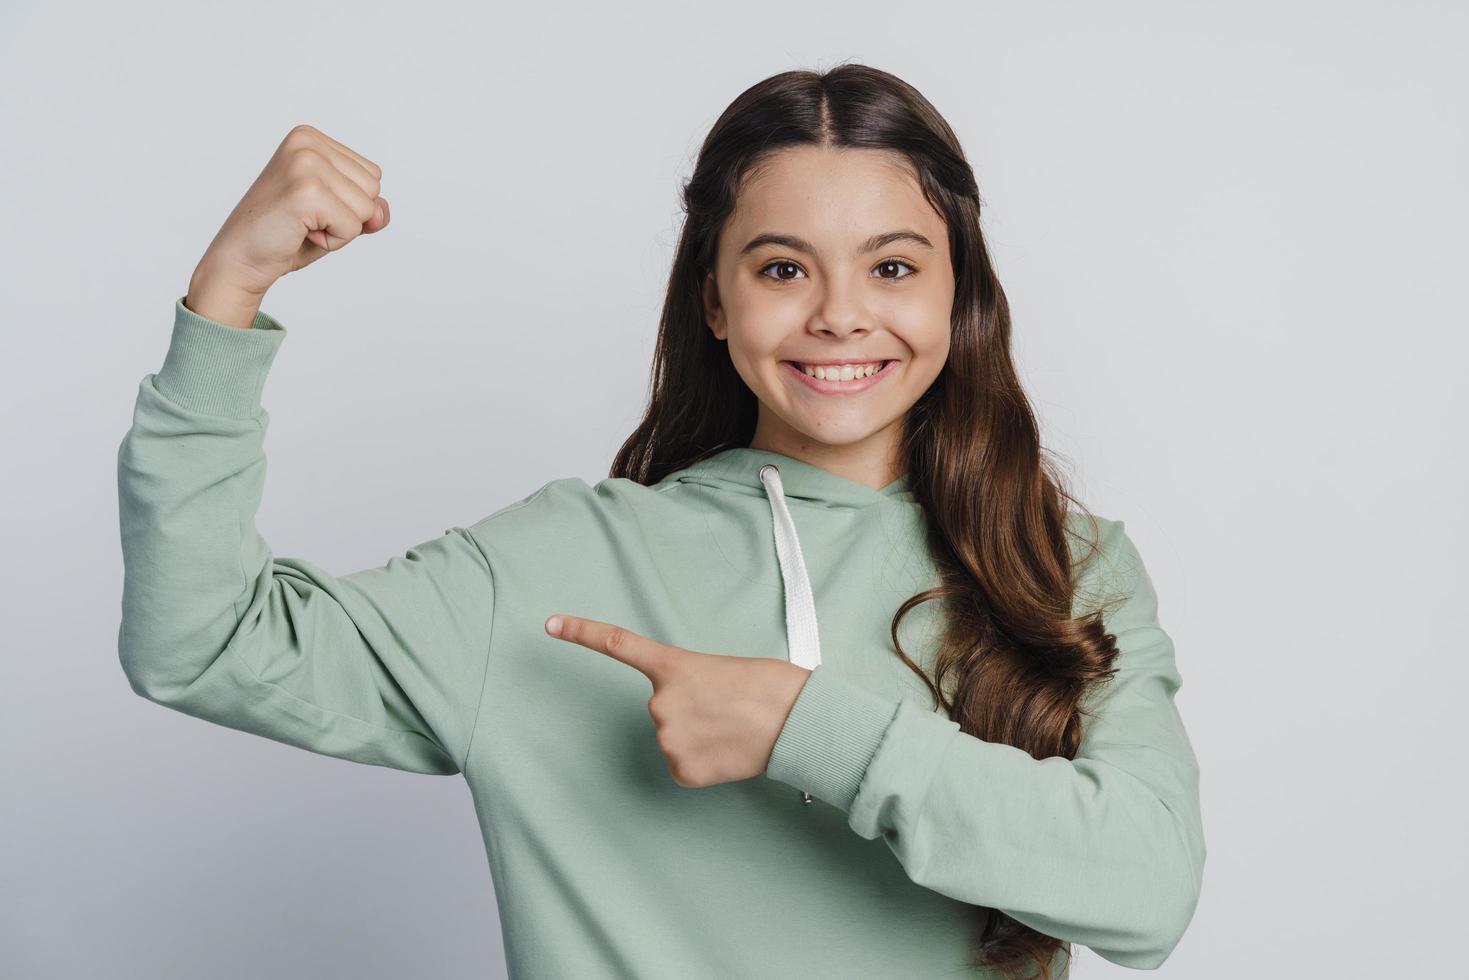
<point x="934" y="331"/>
<point x="938" y="347"/>
<point x="750" y="359"/>
<point x="756" y="334"/>
<point x="927" y="340"/>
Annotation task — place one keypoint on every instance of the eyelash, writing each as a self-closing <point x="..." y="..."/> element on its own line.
<point x="910" y="265"/>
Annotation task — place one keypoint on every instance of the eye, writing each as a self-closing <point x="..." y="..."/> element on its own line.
<point x="891" y="262"/>
<point x="777" y="263"/>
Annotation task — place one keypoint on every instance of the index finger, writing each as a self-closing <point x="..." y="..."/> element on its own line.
<point x="620" y="644"/>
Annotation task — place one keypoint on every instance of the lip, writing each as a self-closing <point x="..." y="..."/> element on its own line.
<point x="853" y="387"/>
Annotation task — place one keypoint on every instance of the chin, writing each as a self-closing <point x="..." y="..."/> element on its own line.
<point x="837" y="436"/>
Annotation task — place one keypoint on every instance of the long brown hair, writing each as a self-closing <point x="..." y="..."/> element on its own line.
<point x="1013" y="665"/>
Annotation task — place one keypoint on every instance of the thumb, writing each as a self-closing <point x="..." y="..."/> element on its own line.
<point x="379" y="219"/>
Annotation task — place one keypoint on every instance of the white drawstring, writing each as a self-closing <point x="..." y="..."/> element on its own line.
<point x="802" y="642"/>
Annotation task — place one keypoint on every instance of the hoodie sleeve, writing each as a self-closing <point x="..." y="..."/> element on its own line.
<point x="1106" y="850"/>
<point x="383" y="666"/>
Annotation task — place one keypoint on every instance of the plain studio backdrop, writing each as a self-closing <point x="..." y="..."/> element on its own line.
<point x="1233" y="239"/>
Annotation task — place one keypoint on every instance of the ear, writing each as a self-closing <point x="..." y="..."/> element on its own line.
<point x="713" y="312"/>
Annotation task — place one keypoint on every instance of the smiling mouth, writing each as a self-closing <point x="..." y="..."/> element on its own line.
<point x="836" y="384"/>
<point x="840" y="372"/>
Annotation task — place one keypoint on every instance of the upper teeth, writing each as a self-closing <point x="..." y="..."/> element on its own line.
<point x="845" y="372"/>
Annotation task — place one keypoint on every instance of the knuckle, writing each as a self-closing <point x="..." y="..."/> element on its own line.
<point x="312" y="157"/>
<point x="300" y="136"/>
<point x="617" y="639"/>
<point x="305" y="162"/>
<point x="310" y="188"/>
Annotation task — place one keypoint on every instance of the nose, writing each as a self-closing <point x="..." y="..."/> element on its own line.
<point x="841" y="310"/>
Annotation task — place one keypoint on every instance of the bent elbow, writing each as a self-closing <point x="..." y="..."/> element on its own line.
<point x="1166" y="937"/>
<point x="1157" y="944"/>
<point x="146" y="681"/>
<point x="1170" y="914"/>
<point x="1176" y="912"/>
<point x="153" y="674"/>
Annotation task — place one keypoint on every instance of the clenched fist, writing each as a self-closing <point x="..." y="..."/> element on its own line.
<point x="313" y="197"/>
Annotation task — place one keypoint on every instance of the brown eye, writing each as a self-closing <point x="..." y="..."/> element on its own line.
<point x="893" y="262"/>
<point x="779" y="264"/>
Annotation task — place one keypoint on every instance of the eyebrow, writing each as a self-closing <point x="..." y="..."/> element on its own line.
<point x="801" y="245"/>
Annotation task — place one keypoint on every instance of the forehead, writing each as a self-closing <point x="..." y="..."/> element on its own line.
<point x="839" y="195"/>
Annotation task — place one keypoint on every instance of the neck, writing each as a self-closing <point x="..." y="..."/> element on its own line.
<point x="874" y="461"/>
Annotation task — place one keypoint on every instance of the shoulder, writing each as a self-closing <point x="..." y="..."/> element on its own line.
<point x="565" y="508"/>
<point x="1106" y="565"/>
<point x="1091" y="535"/>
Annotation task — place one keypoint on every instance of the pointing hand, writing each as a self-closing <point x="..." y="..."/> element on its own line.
<point x="717" y="717"/>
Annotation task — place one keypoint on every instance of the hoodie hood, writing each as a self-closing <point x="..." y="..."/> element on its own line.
<point x="738" y="469"/>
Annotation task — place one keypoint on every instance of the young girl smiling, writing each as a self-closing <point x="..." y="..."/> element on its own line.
<point x="824" y="679"/>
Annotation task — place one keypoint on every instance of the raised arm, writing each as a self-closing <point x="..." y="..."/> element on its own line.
<point x="383" y="666"/>
<point x="1106" y="850"/>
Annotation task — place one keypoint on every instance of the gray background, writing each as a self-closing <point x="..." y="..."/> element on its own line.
<point x="1233" y="237"/>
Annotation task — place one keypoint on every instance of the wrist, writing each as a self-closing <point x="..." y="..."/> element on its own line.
<point x="214" y="296"/>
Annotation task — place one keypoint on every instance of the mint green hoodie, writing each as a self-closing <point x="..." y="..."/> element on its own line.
<point x="438" y="662"/>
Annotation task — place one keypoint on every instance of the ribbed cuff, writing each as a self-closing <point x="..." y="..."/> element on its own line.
<point x="217" y="369"/>
<point x="833" y="731"/>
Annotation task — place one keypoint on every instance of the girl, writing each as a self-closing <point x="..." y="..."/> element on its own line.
<point x="910" y="714"/>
